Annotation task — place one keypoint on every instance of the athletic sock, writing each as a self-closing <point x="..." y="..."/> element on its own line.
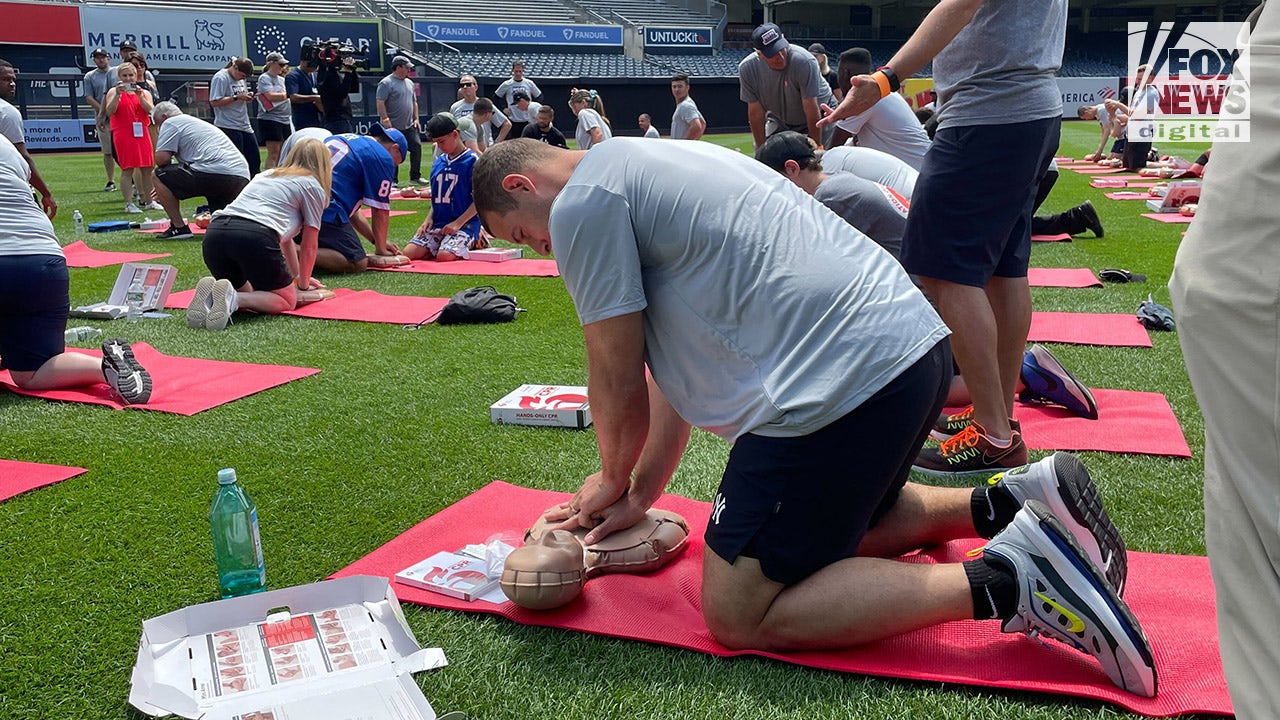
<point x="1002" y="444"/>
<point x="993" y="509"/>
<point x="993" y="587"/>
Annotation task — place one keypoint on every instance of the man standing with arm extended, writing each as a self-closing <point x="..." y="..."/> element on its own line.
<point x="12" y="128"/>
<point x="303" y="99"/>
<point x="398" y="108"/>
<point x="780" y="84"/>
<point x="686" y="123"/>
<point x="96" y="84"/>
<point x="994" y="63"/>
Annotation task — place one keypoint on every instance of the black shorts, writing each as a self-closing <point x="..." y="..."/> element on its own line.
<point x="272" y="131"/>
<point x="517" y="129"/>
<point x="34" y="304"/>
<point x="186" y="183"/>
<point x="799" y="504"/>
<point x="1135" y="155"/>
<point x="242" y="250"/>
<point x="342" y="238"/>
<point x="971" y="209"/>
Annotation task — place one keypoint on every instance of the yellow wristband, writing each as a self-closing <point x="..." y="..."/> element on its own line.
<point x="883" y="81"/>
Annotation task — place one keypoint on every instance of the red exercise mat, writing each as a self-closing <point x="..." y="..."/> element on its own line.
<point x="17" y="477"/>
<point x="526" y="267"/>
<point x="194" y="228"/>
<point x="180" y="385"/>
<point x="1111" y="329"/>
<point x="354" y="305"/>
<point x="1128" y="422"/>
<point x="80" y="255"/>
<point x="1099" y="170"/>
<point x="1063" y="277"/>
<point x="366" y="213"/>
<point x="1060" y="237"/>
<point x="1170" y="218"/>
<point x="1130" y="195"/>
<point x="1172" y="596"/>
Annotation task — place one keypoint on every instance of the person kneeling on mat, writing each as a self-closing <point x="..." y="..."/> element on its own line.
<point x="452" y="228"/>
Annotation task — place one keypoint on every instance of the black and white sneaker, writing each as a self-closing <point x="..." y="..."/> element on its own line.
<point x="126" y="376"/>
<point x="109" y="187"/>
<point x="176" y="232"/>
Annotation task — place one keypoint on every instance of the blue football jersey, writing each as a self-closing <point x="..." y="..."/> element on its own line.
<point x="451" y="191"/>
<point x="362" y="173"/>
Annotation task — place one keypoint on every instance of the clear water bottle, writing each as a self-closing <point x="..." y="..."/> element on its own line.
<point x="237" y="548"/>
<point x="79" y="220"/>
<point x="133" y="299"/>
<point x="81" y="334"/>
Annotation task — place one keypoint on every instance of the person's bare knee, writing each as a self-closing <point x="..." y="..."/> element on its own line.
<point x="414" y="251"/>
<point x="735" y="600"/>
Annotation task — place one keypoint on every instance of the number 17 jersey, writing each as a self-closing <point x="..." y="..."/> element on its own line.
<point x="451" y="191"/>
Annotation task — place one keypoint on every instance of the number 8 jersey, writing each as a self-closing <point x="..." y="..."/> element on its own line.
<point x="451" y="191"/>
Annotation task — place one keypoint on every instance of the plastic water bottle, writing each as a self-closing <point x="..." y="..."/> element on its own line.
<point x="237" y="548"/>
<point x="133" y="298"/>
<point x="79" y="220"/>
<point x="81" y="334"/>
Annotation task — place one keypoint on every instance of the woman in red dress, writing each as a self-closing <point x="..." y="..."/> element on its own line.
<point x="129" y="108"/>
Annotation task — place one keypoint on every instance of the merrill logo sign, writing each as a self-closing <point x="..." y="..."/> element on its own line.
<point x="1182" y="82"/>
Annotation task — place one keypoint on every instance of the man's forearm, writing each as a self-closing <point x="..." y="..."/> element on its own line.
<point x="619" y="396"/>
<point x="811" y="117"/>
<point x="755" y="116"/>
<point x="668" y="437"/>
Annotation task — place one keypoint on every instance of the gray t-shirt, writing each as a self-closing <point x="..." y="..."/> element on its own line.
<point x="891" y="126"/>
<point x="781" y="91"/>
<point x="236" y="115"/>
<point x="652" y="132"/>
<point x="201" y="146"/>
<point x="97" y="83"/>
<point x="872" y="165"/>
<point x="315" y="133"/>
<point x="878" y="212"/>
<point x="509" y="87"/>
<point x="686" y="112"/>
<point x="763" y="311"/>
<point x="1000" y="69"/>
<point x="588" y="119"/>
<point x="278" y="112"/>
<point x="24" y="228"/>
<point x="462" y="109"/>
<point x="397" y="93"/>
<point x="284" y="203"/>
<point x="11" y="123"/>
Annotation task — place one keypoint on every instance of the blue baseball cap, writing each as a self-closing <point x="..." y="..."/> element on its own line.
<point x="394" y="136"/>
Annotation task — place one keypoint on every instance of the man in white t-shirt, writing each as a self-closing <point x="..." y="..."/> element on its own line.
<point x="646" y="126"/>
<point x="1107" y="123"/>
<point x="508" y="89"/>
<point x="890" y="126"/>
<point x="872" y="165"/>
<point x="764" y="318"/>
<point x="209" y="165"/>
<point x="11" y="127"/>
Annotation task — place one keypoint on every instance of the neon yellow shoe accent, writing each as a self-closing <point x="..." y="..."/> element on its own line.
<point x="1077" y="625"/>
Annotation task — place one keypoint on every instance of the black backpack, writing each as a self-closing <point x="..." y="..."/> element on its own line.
<point x="481" y="304"/>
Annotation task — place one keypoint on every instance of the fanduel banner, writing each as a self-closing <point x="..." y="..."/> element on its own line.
<point x="522" y="34"/>
<point x="1078" y="91"/>
<point x="263" y="35"/>
<point x="170" y="39"/>
<point x="683" y="37"/>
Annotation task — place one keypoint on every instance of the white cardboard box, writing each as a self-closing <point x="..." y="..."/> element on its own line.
<point x="551" y="405"/>
<point x="1178" y="194"/>
<point x="496" y="254"/>
<point x="331" y="650"/>
<point x="157" y="281"/>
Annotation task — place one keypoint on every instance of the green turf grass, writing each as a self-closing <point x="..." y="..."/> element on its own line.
<point x="396" y="428"/>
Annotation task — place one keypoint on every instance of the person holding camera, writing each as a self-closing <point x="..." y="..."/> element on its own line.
<point x="229" y="96"/>
<point x="398" y="108"/>
<point x="338" y="80"/>
<point x="128" y="108"/>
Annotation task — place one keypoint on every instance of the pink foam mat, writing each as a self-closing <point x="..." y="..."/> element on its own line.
<point x="80" y="255"/>
<point x="1169" y="218"/>
<point x="1172" y="596"/>
<point x="1063" y="277"/>
<point x="1060" y="237"/>
<point x="354" y="305"/>
<point x="1128" y="195"/>
<point x="1111" y="329"/>
<point x="17" y="477"/>
<point x="365" y="213"/>
<point x="180" y="385"/>
<point x="523" y="266"/>
<point x="1098" y="170"/>
<point x="1140" y="423"/>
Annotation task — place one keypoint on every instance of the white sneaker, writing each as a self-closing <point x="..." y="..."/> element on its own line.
<point x="201" y="301"/>
<point x="224" y="302"/>
<point x="132" y="209"/>
<point x="153" y="205"/>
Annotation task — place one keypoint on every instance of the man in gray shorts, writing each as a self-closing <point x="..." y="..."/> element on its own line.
<point x="781" y="84"/>
<point x="766" y="319"/>
<point x="96" y="84"/>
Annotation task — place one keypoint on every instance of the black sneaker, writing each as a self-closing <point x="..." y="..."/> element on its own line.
<point x="109" y="187"/>
<point x="1089" y="214"/>
<point x="176" y="232"/>
<point x="126" y="376"/>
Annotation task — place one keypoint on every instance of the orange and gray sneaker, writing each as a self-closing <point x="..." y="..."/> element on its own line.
<point x="971" y="453"/>
<point x="948" y="426"/>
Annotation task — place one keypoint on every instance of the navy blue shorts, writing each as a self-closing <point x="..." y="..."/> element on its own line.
<point x="971" y="209"/>
<point x="340" y="237"/>
<point x="34" y="304"/>
<point x="241" y="250"/>
<point x="799" y="504"/>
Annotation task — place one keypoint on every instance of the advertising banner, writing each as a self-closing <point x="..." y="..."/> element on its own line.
<point x="519" y="34"/>
<point x="677" y="37"/>
<point x="29" y="24"/>
<point x="170" y="39"/>
<point x="60" y="134"/>
<point x="1085" y="91"/>
<point x="263" y="35"/>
